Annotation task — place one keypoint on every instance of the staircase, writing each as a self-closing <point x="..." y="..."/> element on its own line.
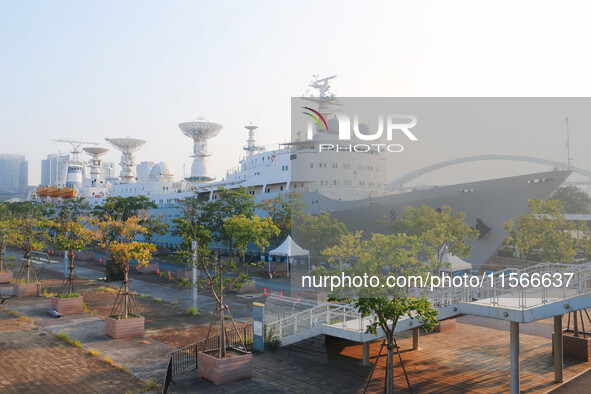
<point x="521" y="303"/>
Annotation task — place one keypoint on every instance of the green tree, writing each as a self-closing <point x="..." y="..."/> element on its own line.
<point x="380" y="256"/>
<point x="546" y="231"/>
<point x="442" y="231"/>
<point x="244" y="231"/>
<point x="8" y="234"/>
<point x="229" y="202"/>
<point x="573" y="199"/>
<point x="117" y="238"/>
<point x="33" y="234"/>
<point x="72" y="233"/>
<point x="123" y="208"/>
<point x="319" y="232"/>
<point x="284" y="210"/>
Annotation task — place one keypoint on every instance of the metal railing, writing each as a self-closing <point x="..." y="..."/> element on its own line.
<point x="186" y="357"/>
<point x="491" y="292"/>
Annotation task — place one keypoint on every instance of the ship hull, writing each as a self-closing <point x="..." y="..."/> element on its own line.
<point x="490" y="202"/>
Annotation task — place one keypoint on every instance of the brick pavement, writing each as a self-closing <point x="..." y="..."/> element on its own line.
<point x="34" y="360"/>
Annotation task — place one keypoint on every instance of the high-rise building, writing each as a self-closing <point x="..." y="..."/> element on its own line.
<point x="108" y="170"/>
<point x="14" y="176"/>
<point x="54" y="169"/>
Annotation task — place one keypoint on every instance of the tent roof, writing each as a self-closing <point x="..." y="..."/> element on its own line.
<point x="289" y="248"/>
<point x="457" y="264"/>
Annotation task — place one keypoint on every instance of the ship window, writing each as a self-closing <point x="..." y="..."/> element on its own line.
<point x="311" y="165"/>
<point x="335" y="165"/>
<point x="281" y="188"/>
<point x="293" y="157"/>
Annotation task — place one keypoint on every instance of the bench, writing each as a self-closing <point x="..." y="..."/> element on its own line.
<point x="39" y="257"/>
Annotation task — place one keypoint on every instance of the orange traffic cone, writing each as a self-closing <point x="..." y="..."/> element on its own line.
<point x="137" y="267"/>
<point x="265" y="292"/>
<point x="281" y="294"/>
<point x="100" y="260"/>
<point x="169" y="274"/>
<point x="296" y="300"/>
<point x="157" y="271"/>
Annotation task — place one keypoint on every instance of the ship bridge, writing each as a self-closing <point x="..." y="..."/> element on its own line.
<point x="520" y="304"/>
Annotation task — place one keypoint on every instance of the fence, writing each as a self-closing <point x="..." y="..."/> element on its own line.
<point x="186" y="358"/>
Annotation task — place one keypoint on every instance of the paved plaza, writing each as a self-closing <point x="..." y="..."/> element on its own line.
<point x="474" y="357"/>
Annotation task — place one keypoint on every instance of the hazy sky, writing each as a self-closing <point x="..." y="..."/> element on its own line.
<point x="90" y="70"/>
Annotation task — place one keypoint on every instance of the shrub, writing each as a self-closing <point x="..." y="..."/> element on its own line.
<point x="158" y="299"/>
<point x="151" y="385"/>
<point x="94" y="352"/>
<point x="192" y="311"/>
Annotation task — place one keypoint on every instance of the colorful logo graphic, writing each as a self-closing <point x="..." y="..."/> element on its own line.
<point x="316" y="118"/>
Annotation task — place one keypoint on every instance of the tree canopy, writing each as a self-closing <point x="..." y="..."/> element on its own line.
<point x="573" y="199"/>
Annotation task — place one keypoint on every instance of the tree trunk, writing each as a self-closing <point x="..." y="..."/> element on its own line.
<point x="2" y="252"/>
<point x="389" y="384"/>
<point x="125" y="290"/>
<point x="222" y="328"/>
<point x="70" y="272"/>
<point x="27" y="263"/>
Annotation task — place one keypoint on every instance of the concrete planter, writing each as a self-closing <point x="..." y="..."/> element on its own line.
<point x="124" y="328"/>
<point x="183" y="274"/>
<point x="577" y="348"/>
<point x="6" y="277"/>
<point x="224" y="371"/>
<point x="68" y="305"/>
<point x="151" y="268"/>
<point x="26" y="289"/>
<point x="446" y="325"/>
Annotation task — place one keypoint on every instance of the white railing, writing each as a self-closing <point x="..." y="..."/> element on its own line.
<point x="493" y="294"/>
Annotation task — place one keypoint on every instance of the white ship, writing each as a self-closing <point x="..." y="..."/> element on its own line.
<point x="352" y="186"/>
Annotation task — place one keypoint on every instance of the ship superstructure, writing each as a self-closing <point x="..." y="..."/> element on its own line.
<point x="350" y="185"/>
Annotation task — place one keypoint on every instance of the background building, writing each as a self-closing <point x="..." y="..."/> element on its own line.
<point x="143" y="170"/>
<point x="14" y="176"/>
<point x="53" y="169"/>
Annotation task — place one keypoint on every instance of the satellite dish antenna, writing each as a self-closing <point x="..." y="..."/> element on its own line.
<point x="127" y="146"/>
<point x="200" y="131"/>
<point x="95" y="162"/>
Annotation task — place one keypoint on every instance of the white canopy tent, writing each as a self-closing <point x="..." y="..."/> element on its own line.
<point x="289" y="248"/>
<point x="456" y="263"/>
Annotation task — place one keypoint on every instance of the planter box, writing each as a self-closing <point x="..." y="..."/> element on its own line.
<point x="577" y="348"/>
<point x="68" y="305"/>
<point x="151" y="268"/>
<point x="124" y="328"/>
<point x="6" y="277"/>
<point x="446" y="325"/>
<point x="226" y="370"/>
<point x="26" y="289"/>
<point x="183" y="274"/>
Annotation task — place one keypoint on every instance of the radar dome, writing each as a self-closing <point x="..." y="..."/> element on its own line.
<point x="161" y="172"/>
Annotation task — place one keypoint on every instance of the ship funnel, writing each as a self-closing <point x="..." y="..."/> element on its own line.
<point x="127" y="146"/>
<point x="200" y="131"/>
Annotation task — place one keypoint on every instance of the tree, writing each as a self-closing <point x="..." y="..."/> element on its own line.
<point x="546" y="231"/>
<point x="155" y="228"/>
<point x="319" y="232"/>
<point x="573" y="199"/>
<point x="117" y="238"/>
<point x="283" y="210"/>
<point x="196" y="238"/>
<point x="381" y="256"/>
<point x="8" y="234"/>
<point x="243" y="231"/>
<point x="229" y="202"/>
<point x="72" y="233"/>
<point x="442" y="231"/>
<point x="33" y="234"/>
<point x="123" y="208"/>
